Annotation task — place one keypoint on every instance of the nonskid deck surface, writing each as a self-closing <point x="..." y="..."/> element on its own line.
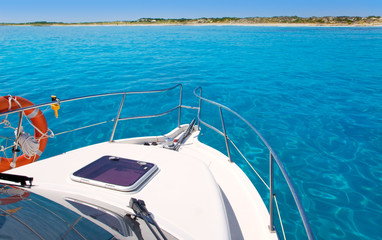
<point x="196" y="193"/>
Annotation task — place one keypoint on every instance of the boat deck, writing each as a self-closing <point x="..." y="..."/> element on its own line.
<point x="195" y="194"/>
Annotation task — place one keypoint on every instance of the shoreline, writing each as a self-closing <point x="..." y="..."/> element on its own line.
<point x="195" y="24"/>
<point x="277" y="21"/>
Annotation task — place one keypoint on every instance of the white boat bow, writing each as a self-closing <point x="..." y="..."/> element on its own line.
<point x="192" y="192"/>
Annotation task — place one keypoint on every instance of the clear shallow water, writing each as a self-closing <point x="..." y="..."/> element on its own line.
<point x="314" y="93"/>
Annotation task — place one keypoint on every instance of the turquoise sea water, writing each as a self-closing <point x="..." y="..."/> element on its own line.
<point x="314" y="93"/>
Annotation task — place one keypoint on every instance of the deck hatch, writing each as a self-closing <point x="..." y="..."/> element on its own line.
<point x="115" y="173"/>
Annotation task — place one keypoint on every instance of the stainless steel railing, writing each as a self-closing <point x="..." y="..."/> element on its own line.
<point x="95" y="96"/>
<point x="272" y="158"/>
<point x="116" y="119"/>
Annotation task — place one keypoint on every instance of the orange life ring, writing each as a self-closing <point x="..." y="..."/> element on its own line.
<point x="38" y="120"/>
<point x="17" y="194"/>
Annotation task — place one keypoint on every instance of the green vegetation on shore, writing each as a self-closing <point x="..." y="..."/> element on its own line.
<point x="325" y="21"/>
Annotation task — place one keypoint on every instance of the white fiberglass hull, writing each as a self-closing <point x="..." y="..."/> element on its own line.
<point x="195" y="194"/>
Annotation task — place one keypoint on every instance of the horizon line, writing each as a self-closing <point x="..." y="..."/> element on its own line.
<point x="200" y="18"/>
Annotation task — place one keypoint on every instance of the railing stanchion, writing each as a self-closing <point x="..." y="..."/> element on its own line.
<point x="225" y="135"/>
<point x="117" y="118"/>
<point x="200" y="107"/>
<point x="180" y="104"/>
<point x="15" y="147"/>
<point x="271" y="225"/>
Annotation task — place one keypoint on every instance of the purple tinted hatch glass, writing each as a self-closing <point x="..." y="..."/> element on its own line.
<point x="115" y="170"/>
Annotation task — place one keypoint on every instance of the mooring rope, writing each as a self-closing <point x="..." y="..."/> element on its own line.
<point x="28" y="144"/>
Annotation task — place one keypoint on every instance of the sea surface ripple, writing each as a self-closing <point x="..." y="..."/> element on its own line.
<point x="315" y="93"/>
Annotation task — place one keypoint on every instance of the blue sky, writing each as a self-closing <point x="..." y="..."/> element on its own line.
<point x="110" y="10"/>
